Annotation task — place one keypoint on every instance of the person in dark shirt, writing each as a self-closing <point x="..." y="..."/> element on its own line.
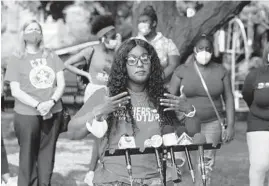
<point x="256" y="94"/>
<point x="218" y="82"/>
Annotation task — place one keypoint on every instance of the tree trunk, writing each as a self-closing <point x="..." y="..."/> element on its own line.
<point x="184" y="31"/>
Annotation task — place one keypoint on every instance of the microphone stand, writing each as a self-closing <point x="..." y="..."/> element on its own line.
<point x="129" y="165"/>
<point x="173" y="159"/>
<point x="203" y="170"/>
<point x="190" y="164"/>
<point x="159" y="164"/>
<point x="164" y="165"/>
<point x="177" y="148"/>
<point x="202" y="167"/>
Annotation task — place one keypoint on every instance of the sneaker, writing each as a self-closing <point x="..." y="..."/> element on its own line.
<point x="12" y="181"/>
<point x="89" y="178"/>
<point x="3" y="183"/>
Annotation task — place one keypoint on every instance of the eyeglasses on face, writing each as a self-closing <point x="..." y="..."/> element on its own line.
<point x="133" y="60"/>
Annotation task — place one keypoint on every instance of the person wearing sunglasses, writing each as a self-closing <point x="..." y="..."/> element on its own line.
<point x="138" y="105"/>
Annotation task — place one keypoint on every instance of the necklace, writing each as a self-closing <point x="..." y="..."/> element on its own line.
<point x="139" y="98"/>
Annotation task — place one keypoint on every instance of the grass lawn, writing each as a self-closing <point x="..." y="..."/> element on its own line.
<point x="72" y="159"/>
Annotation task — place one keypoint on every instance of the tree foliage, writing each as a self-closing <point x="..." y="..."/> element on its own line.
<point x="184" y="31"/>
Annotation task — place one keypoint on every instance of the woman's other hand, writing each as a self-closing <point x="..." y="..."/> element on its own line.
<point x="228" y="135"/>
<point x="111" y="104"/>
<point x="176" y="103"/>
<point x="45" y="107"/>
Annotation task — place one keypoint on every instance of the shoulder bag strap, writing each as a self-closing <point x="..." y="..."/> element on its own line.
<point x="208" y="94"/>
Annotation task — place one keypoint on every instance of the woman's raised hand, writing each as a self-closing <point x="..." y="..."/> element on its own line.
<point x="111" y="104"/>
<point x="176" y="103"/>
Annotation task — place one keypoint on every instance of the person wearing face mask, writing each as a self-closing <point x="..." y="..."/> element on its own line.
<point x="166" y="49"/>
<point x="97" y="60"/>
<point x="255" y="93"/>
<point x="37" y="83"/>
<point x="218" y="83"/>
<point x="131" y="105"/>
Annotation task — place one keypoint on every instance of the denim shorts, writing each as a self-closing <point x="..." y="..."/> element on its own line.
<point x="138" y="182"/>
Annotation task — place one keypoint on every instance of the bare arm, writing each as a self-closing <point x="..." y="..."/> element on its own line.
<point x="173" y="61"/>
<point x="69" y="64"/>
<point x="174" y="84"/>
<point x="248" y="88"/>
<point x="21" y="95"/>
<point x="229" y="100"/>
<point x="77" y="126"/>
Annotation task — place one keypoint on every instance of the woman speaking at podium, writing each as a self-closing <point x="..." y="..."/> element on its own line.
<point x="138" y="106"/>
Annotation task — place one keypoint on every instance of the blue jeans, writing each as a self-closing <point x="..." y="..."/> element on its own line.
<point x="212" y="131"/>
<point x="138" y="182"/>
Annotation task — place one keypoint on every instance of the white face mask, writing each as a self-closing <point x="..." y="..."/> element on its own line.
<point x="203" y="57"/>
<point x="112" y="44"/>
<point x="144" y="28"/>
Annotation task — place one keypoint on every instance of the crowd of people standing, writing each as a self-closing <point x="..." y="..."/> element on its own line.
<point x="141" y="88"/>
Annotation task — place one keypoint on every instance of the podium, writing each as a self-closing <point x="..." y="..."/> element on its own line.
<point x="163" y="150"/>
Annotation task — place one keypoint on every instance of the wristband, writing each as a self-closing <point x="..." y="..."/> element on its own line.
<point x="97" y="115"/>
<point x="54" y="101"/>
<point x="37" y="105"/>
<point x="191" y="114"/>
<point x="97" y="128"/>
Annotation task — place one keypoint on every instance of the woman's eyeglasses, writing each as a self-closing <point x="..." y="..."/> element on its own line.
<point x="132" y="60"/>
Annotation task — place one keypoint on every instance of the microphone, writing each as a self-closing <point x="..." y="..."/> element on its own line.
<point x="127" y="142"/>
<point x="193" y="126"/>
<point x="156" y="142"/>
<point x="200" y="139"/>
<point x="184" y="139"/>
<point x="169" y="140"/>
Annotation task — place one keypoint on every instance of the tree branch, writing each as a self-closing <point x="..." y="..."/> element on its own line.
<point x="184" y="31"/>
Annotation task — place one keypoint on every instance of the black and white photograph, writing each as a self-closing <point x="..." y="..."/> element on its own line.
<point x="134" y="93"/>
